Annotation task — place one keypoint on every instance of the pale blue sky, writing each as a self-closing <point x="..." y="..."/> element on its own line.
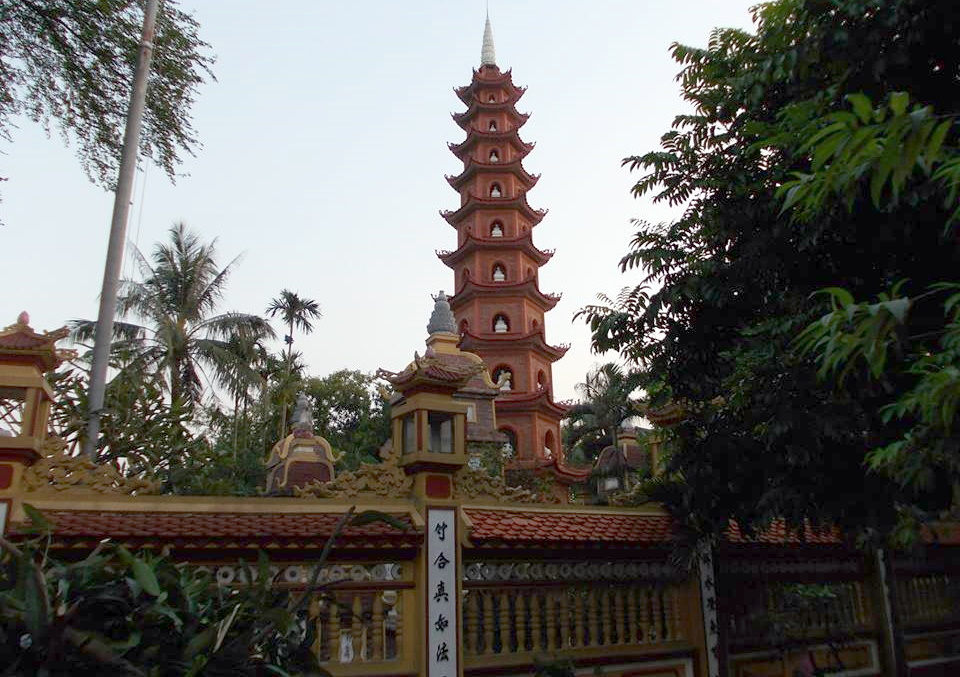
<point x="324" y="159"/>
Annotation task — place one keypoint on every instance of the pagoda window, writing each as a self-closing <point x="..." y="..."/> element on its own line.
<point x="493" y="126"/>
<point x="496" y="229"/>
<point x="491" y="99"/>
<point x="509" y="448"/>
<point x="501" y="325"/>
<point x="499" y="274"/>
<point x="542" y="379"/>
<point x="441" y="432"/>
<point x="409" y="423"/>
<point x="494" y="156"/>
<point x="466" y="275"/>
<point x="495" y="190"/>
<point x="535" y="324"/>
<point x="503" y="377"/>
<point x="464" y="326"/>
<point x="549" y="445"/>
<point x="529" y="272"/>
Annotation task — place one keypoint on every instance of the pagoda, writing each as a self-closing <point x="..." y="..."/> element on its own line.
<point x="499" y="307"/>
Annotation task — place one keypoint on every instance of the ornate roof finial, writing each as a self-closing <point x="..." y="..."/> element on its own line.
<point x="442" y="317"/>
<point x="488" y="56"/>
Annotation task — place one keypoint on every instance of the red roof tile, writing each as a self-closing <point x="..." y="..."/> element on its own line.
<point x="519" y="526"/>
<point x="208" y="526"/>
<point x="778" y="534"/>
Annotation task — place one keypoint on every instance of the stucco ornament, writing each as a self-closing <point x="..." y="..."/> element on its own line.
<point x="385" y="479"/>
<point x="57" y="470"/>
<point x="478" y="484"/>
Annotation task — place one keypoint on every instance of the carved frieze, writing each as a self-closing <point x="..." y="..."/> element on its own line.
<point x="59" y="471"/>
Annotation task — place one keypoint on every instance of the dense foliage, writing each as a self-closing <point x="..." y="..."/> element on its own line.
<point x="197" y="399"/>
<point x="119" y="613"/>
<point x="69" y="64"/>
<point x="605" y="403"/>
<point x="775" y="209"/>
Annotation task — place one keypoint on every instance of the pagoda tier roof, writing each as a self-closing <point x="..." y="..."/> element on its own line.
<point x="565" y="474"/>
<point x="511" y="136"/>
<point x="534" y="401"/>
<point x="464" y="118"/>
<point x="20" y="343"/>
<point x="473" y="167"/>
<point x="435" y="371"/>
<point x="526" y="288"/>
<point x="507" y="343"/>
<point x="488" y="76"/>
<point x="474" y="202"/>
<point x="524" y="243"/>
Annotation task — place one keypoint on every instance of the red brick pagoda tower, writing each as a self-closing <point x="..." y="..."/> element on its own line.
<point x="498" y="304"/>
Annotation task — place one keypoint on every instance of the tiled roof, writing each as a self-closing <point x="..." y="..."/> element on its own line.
<point x="778" y="534"/>
<point x="584" y="528"/>
<point x="235" y="527"/>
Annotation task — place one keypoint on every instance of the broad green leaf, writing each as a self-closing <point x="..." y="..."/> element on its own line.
<point x="146" y="577"/>
<point x="899" y="102"/>
<point x="37" y="520"/>
<point x="862" y="106"/>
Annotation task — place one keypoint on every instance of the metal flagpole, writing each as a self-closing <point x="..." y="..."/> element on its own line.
<point x="118" y="231"/>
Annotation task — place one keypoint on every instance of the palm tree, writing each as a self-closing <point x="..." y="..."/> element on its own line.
<point x="593" y="422"/>
<point x="169" y="321"/>
<point x="296" y="312"/>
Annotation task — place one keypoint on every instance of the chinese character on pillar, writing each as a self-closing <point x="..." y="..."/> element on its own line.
<point x="443" y="613"/>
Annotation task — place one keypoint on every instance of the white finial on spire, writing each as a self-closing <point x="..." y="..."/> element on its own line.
<point x="488" y="56"/>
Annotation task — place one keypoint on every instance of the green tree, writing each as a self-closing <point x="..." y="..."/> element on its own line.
<point x="179" y="336"/>
<point x="69" y="64"/>
<point x="592" y="423"/>
<point x="295" y="312"/>
<point x="349" y="412"/>
<point x="727" y="285"/>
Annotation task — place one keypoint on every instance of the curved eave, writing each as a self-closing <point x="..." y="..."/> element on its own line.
<point x="468" y="92"/>
<point x="528" y="288"/>
<point x="519" y="203"/>
<point x="473" y="167"/>
<point x="464" y="118"/>
<point x="462" y="149"/>
<point x="473" y="243"/>
<point x="506" y="343"/>
<point x="538" y="400"/>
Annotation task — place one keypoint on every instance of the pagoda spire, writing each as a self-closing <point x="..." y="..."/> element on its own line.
<point x="488" y="55"/>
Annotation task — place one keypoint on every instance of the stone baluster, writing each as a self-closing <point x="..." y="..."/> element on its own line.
<point x="334" y="625"/>
<point x="523" y="628"/>
<point x="578" y="625"/>
<point x="592" y="618"/>
<point x="377" y="629"/>
<point x="565" y="639"/>
<point x="504" y="622"/>
<point x="550" y="620"/>
<point x="643" y="629"/>
<point x="487" y="622"/>
<point x="358" y="629"/>
<point x="631" y="629"/>
<point x="678" y="626"/>
<point x="398" y="633"/>
<point x="605" y="637"/>
<point x="314" y="611"/>
<point x="618" y="594"/>
<point x="535" y="626"/>
<point x="657" y="624"/>
<point x="472" y="609"/>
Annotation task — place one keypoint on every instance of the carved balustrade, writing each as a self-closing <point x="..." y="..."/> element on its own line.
<point x="362" y="622"/>
<point x="929" y="600"/>
<point x="524" y="609"/>
<point x="759" y="604"/>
